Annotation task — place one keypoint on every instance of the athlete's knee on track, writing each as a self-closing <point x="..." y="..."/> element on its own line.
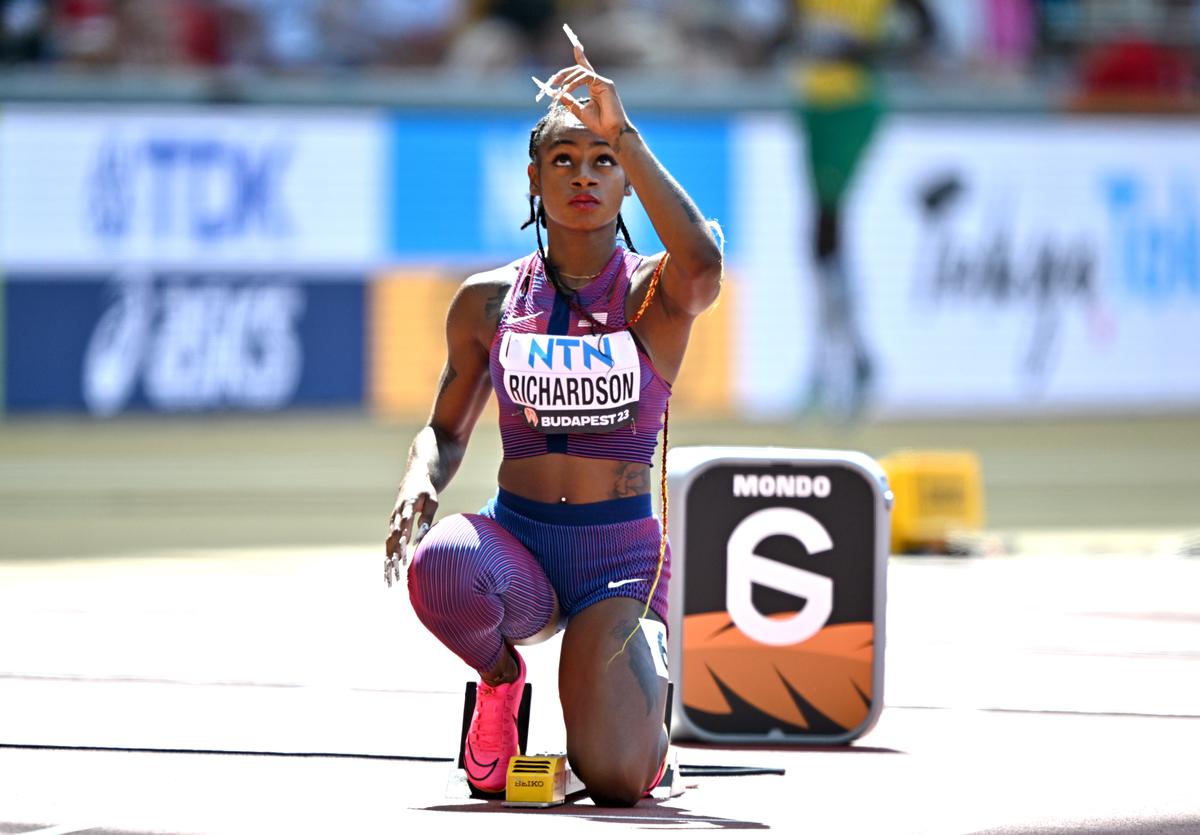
<point x="614" y="777"/>
<point x="614" y="783"/>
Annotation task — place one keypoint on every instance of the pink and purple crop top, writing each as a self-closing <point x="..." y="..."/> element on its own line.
<point x="591" y="391"/>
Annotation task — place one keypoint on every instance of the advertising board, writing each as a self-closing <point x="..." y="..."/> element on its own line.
<point x="183" y="342"/>
<point x="1000" y="266"/>
<point x="102" y="187"/>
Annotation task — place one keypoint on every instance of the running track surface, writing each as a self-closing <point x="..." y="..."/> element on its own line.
<point x="1050" y="692"/>
<point x="179" y="586"/>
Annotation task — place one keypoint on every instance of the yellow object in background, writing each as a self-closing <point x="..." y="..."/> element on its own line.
<point x="704" y="387"/>
<point x="937" y="492"/>
<point x="406" y="340"/>
<point x="865" y="19"/>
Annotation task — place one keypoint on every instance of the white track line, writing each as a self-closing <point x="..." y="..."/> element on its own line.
<point x="635" y="819"/>
<point x="61" y="829"/>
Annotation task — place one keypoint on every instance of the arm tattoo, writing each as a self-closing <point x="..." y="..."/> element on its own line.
<point x="448" y="377"/>
<point x="632" y="480"/>
<point x="492" y="307"/>
<point x="637" y="655"/>
<point x="684" y="201"/>
<point x="626" y="128"/>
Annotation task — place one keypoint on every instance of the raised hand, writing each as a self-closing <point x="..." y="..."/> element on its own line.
<point x="603" y="114"/>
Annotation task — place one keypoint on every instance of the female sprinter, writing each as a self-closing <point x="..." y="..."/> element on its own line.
<point x="581" y="341"/>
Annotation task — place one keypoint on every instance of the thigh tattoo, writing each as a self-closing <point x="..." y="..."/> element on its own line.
<point x="637" y="656"/>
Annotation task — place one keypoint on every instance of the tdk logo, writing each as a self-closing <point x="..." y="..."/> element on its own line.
<point x="203" y="189"/>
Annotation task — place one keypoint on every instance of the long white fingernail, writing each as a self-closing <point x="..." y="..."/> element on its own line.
<point x="546" y="90"/>
<point x="571" y="36"/>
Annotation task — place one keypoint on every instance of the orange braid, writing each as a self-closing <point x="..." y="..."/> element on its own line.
<point x="650" y="291"/>
<point x="662" y="540"/>
<point x="663" y="499"/>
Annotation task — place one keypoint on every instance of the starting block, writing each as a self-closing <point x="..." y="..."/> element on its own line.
<point x="938" y="493"/>
<point x="540" y="781"/>
<point x="544" y="780"/>
<point x="547" y="780"/>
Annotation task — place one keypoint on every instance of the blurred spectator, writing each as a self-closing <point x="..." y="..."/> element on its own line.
<point x="638" y="34"/>
<point x="508" y="34"/>
<point x="391" y="33"/>
<point x="1134" y="56"/>
<point x="24" y="30"/>
<point x="85" y="31"/>
<point x="163" y="33"/>
<point x="838" y="106"/>
<point x="1135" y="66"/>
<point x="273" y="34"/>
<point x="733" y="33"/>
<point x="1109" y="45"/>
<point x="1136" y="76"/>
<point x="986" y="36"/>
<point x="1010" y="33"/>
<point x="198" y="30"/>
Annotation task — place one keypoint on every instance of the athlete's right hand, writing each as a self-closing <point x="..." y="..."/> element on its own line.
<point x="412" y="515"/>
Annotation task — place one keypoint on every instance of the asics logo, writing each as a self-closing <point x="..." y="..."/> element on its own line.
<point x="616" y="584"/>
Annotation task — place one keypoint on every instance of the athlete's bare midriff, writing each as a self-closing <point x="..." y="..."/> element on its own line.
<point x="556" y="477"/>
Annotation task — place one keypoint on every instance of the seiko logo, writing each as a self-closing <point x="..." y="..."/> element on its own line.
<point x="800" y="486"/>
<point x="528" y="784"/>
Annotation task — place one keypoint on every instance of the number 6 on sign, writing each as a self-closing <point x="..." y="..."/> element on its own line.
<point x="745" y="568"/>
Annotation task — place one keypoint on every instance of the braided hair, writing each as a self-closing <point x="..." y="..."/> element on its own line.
<point x="537" y="216"/>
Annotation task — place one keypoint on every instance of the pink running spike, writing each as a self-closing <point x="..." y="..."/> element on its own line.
<point x="492" y="738"/>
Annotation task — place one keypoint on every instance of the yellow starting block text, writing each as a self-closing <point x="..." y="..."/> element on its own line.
<point x="538" y="782"/>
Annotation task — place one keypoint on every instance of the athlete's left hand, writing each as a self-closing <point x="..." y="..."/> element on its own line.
<point x="603" y="114"/>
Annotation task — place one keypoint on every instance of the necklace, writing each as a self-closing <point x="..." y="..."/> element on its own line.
<point x="576" y="282"/>
<point x="586" y="279"/>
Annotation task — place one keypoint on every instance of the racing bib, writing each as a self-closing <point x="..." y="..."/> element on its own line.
<point x="588" y="383"/>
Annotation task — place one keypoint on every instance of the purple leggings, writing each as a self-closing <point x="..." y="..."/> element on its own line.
<point x="479" y="581"/>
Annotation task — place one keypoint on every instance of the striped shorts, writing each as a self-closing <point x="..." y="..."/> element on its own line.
<point x="590" y="552"/>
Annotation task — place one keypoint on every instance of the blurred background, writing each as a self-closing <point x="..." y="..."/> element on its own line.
<point x="229" y="231"/>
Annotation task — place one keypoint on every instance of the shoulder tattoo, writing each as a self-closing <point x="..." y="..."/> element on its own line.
<point x="493" y="304"/>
